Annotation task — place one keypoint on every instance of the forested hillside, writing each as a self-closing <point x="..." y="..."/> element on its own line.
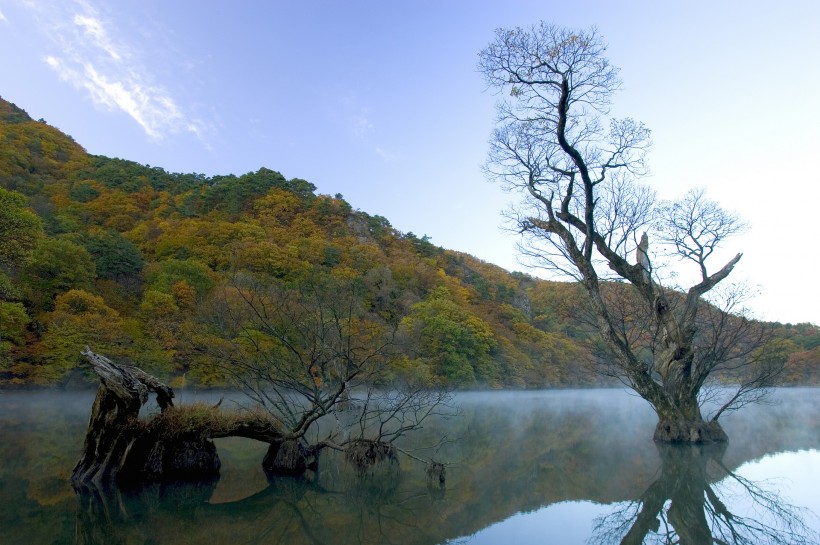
<point x="192" y="277"/>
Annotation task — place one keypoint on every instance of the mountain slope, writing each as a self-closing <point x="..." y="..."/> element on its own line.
<point x="148" y="266"/>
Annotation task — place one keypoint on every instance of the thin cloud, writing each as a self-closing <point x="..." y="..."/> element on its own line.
<point x="357" y="120"/>
<point x="384" y="154"/>
<point x="364" y="130"/>
<point x="110" y="71"/>
<point x="95" y="30"/>
<point x="361" y="126"/>
<point x="3" y="18"/>
<point x="149" y="109"/>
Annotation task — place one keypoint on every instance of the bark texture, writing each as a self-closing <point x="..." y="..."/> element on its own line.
<point x="120" y="448"/>
<point x="689" y="431"/>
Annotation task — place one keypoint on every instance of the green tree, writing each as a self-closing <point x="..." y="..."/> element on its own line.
<point x="55" y="266"/>
<point x="84" y="192"/>
<point x="115" y="257"/>
<point x="455" y="343"/>
<point x="20" y="228"/>
<point x="11" y="113"/>
<point x="163" y="275"/>
<point x="232" y="195"/>
<point x="13" y="323"/>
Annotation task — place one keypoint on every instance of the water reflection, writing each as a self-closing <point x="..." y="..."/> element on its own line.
<point x="684" y="505"/>
<point x="289" y="510"/>
<point x="511" y="454"/>
<point x="695" y="499"/>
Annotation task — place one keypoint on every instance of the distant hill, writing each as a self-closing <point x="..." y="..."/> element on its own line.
<point x="144" y="265"/>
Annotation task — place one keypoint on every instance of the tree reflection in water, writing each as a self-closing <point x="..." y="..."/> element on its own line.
<point x="684" y="506"/>
<point x="289" y="511"/>
<point x="694" y="500"/>
<point x="518" y="459"/>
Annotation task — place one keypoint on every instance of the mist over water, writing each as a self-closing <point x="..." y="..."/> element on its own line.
<point x="519" y="464"/>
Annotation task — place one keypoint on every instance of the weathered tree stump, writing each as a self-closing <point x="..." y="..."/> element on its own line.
<point x="176" y="444"/>
<point x="112" y="430"/>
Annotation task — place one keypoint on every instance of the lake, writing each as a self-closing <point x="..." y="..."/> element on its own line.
<point x="564" y="467"/>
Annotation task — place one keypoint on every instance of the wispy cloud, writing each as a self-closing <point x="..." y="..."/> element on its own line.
<point x="93" y="56"/>
<point x="94" y="29"/>
<point x="364" y="130"/>
<point x="155" y="112"/>
<point x="3" y="18"/>
<point x="387" y="156"/>
<point x="361" y="125"/>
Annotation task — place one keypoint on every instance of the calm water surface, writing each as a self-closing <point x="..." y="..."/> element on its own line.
<point x="537" y="467"/>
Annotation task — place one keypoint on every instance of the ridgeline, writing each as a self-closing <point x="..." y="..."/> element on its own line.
<point x="162" y="269"/>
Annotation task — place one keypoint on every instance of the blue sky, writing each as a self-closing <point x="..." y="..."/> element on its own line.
<point x="381" y="101"/>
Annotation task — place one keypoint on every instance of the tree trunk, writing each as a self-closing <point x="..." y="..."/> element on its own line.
<point x="675" y="430"/>
<point x="112" y="430"/>
<point x="683" y="423"/>
<point x="176" y="444"/>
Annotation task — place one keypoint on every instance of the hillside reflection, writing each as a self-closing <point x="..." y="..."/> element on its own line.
<point x="509" y="454"/>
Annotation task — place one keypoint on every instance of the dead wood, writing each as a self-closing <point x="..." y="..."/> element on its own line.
<point x="175" y="444"/>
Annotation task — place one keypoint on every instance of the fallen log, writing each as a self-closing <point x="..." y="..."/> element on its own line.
<point x="120" y="448"/>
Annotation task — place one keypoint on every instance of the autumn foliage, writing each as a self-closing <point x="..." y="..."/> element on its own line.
<point x="142" y="264"/>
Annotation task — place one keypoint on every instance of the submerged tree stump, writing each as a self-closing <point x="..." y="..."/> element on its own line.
<point x="120" y="448"/>
<point x="111" y="429"/>
<point x="289" y="458"/>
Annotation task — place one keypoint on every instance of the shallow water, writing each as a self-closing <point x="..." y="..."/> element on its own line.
<point x="548" y="467"/>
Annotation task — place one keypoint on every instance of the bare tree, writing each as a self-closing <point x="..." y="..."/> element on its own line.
<point x="690" y="501"/>
<point x="316" y="359"/>
<point x="584" y="214"/>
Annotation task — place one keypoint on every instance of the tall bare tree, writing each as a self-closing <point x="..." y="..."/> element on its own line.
<point x="585" y="214"/>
